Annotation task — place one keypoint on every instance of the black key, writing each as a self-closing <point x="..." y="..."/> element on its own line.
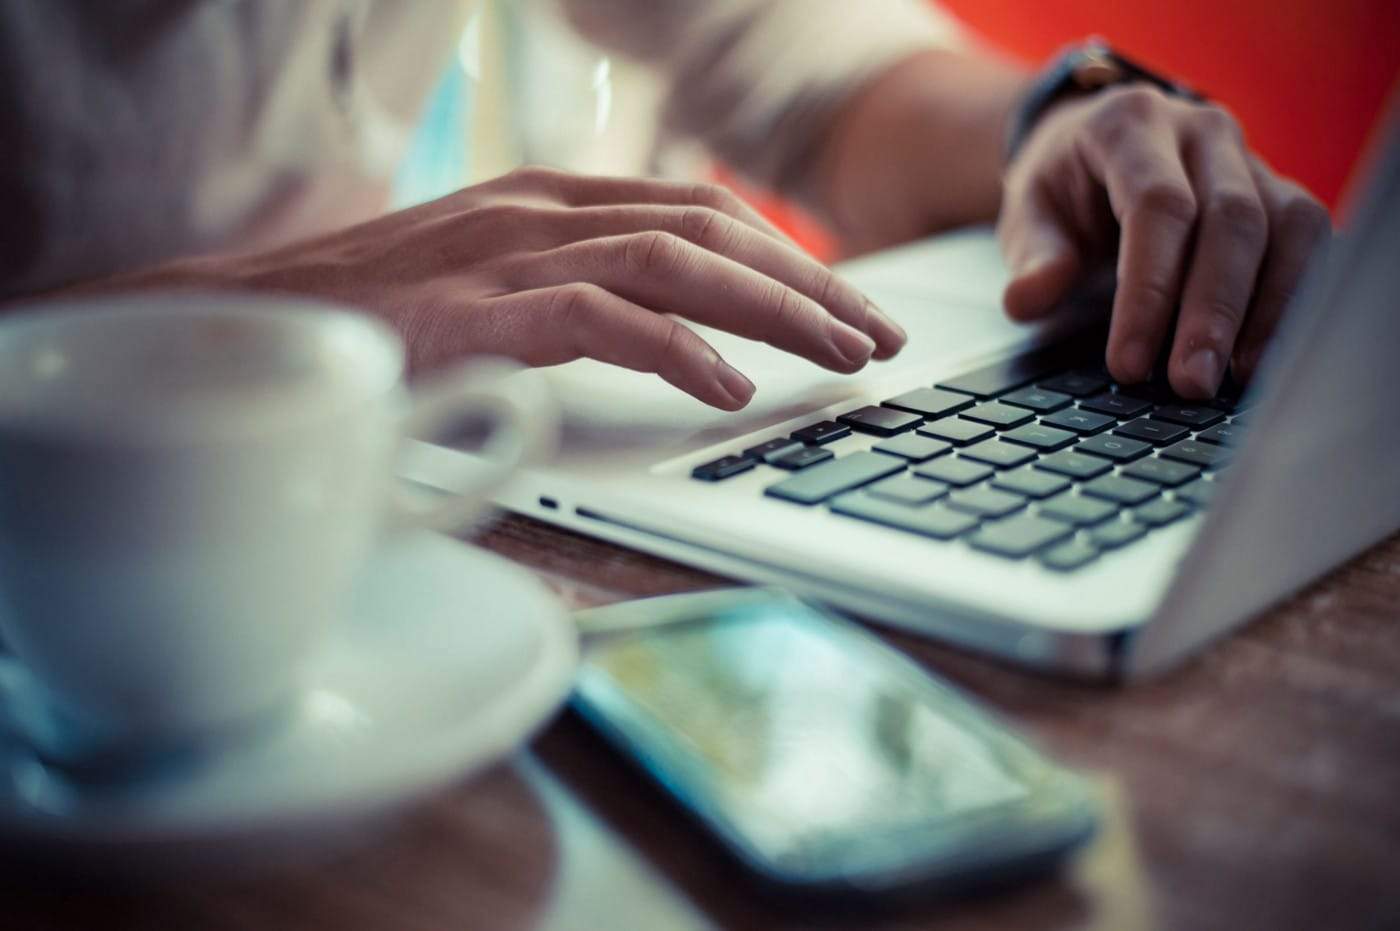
<point x="721" y="468"/>
<point x="907" y="489"/>
<point x="998" y="414"/>
<point x="930" y="402"/>
<point x="1201" y="454"/>
<point x="954" y="471"/>
<point x="1222" y="434"/>
<point x="881" y="421"/>
<point x="1161" y="512"/>
<point x="1116" y="533"/>
<point x="987" y="502"/>
<point x="772" y="449"/>
<point x="1118" y="488"/>
<point x="932" y="520"/>
<point x="801" y="458"/>
<point x="995" y="452"/>
<point x="831" y="478"/>
<point x="1117" y="448"/>
<point x="955" y="430"/>
<point x="1076" y="384"/>
<point x="1031" y="482"/>
<point x="1019" y="536"/>
<point x="1077" y="510"/>
<point x="1151" y="431"/>
<point x="1162" y="471"/>
<point x="1198" y="492"/>
<point x="913" y="447"/>
<point x="1037" y="399"/>
<point x="1188" y="415"/>
<point x="821" y="432"/>
<point x="1085" y="423"/>
<point x="1000" y="377"/>
<point x="1046" y="439"/>
<point x="1121" y="406"/>
<point x="1075" y="465"/>
<point x="1069" y="555"/>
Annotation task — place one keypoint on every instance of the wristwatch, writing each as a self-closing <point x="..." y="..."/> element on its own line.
<point x="1080" y="70"/>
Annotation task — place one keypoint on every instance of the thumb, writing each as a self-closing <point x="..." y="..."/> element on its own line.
<point x="1045" y="260"/>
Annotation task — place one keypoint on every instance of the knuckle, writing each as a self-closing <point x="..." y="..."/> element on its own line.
<point x="1223" y="319"/>
<point x="707" y="227"/>
<point x="1302" y="215"/>
<point x="1163" y="199"/>
<point x="1153" y="296"/>
<point x="1240" y="212"/>
<point x="825" y="287"/>
<point x="1131" y="102"/>
<point x="1215" y="120"/>
<point x="652" y="253"/>
<point x="706" y="194"/>
<point x="572" y="304"/>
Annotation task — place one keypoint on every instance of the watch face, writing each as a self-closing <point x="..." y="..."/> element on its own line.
<point x="1096" y="68"/>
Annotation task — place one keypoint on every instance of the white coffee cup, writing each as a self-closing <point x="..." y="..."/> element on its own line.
<point x="188" y="485"/>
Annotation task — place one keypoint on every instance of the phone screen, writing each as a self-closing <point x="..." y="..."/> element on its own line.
<point x="794" y="728"/>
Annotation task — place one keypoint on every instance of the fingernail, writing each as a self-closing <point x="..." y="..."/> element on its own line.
<point x="1203" y="367"/>
<point x="853" y="345"/>
<point x="887" y="333"/>
<point x="735" y="384"/>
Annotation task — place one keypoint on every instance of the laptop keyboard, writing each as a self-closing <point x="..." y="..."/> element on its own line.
<point x="1028" y="458"/>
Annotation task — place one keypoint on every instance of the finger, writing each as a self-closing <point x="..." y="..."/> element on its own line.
<point x="555" y="325"/>
<point x="667" y="274"/>
<point x="1042" y="255"/>
<point x="1299" y="228"/>
<point x="1131" y="149"/>
<point x="1232" y="234"/>
<point x="722" y="234"/>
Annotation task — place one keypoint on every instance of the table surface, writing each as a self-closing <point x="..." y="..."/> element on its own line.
<point x="1256" y="787"/>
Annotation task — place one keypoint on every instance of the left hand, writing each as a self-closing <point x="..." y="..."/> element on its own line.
<point x="1205" y="234"/>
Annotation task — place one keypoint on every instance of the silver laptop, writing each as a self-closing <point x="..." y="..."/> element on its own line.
<point x="991" y="486"/>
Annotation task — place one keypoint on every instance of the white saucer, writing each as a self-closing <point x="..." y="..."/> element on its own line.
<point x="451" y="658"/>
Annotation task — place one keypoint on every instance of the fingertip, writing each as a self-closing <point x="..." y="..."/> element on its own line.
<point x="1038" y="286"/>
<point x="737" y="389"/>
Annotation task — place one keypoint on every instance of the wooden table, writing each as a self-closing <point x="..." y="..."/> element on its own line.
<point x="1258" y="787"/>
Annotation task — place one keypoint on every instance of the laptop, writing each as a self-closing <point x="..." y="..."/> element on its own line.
<point x="991" y="486"/>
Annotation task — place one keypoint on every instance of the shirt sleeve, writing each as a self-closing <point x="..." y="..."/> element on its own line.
<point x="759" y="81"/>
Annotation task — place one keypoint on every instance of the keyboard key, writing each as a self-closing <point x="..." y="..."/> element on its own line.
<point x="1151" y="431"/>
<point x="1077" y="509"/>
<point x="1046" y="439"/>
<point x="1112" y="446"/>
<point x="1201" y="454"/>
<point x="1076" y="384"/>
<point x="1121" y="489"/>
<point x="1019" y="536"/>
<point x="1222" y="434"/>
<point x="998" y="414"/>
<point x="995" y="452"/>
<point x="907" y="489"/>
<point x="721" y="468"/>
<point x="1031" y="483"/>
<point x="1121" y="406"/>
<point x="913" y="447"/>
<point x="1037" y="399"/>
<point x="1085" y="423"/>
<point x="1161" y="512"/>
<point x="801" y="458"/>
<point x="1000" y="377"/>
<point x="764" y="452"/>
<point x="1241" y="419"/>
<point x="833" y="477"/>
<point x="987" y="502"/>
<point x="1116" y="533"/>
<point x="1162" y="471"/>
<point x="1069" y="555"/>
<point x="1075" y="465"/>
<point x="932" y="520"/>
<point x="821" y="432"/>
<point x="881" y="421"/>
<point x="955" y="430"/>
<point x="954" y="471"/>
<point x="930" y="402"/>
<point x="1200" y="492"/>
<point x="1188" y="415"/>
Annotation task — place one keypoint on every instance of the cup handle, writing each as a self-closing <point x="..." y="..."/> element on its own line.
<point x="523" y="422"/>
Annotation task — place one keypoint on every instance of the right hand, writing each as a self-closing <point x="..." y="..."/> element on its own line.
<point x="547" y="267"/>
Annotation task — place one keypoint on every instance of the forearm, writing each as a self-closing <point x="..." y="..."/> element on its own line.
<point x="938" y="116"/>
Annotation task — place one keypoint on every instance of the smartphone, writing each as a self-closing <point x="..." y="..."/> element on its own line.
<point x="817" y="755"/>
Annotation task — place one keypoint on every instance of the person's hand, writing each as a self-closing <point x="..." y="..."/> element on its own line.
<point x="546" y="267"/>
<point x="1206" y="236"/>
